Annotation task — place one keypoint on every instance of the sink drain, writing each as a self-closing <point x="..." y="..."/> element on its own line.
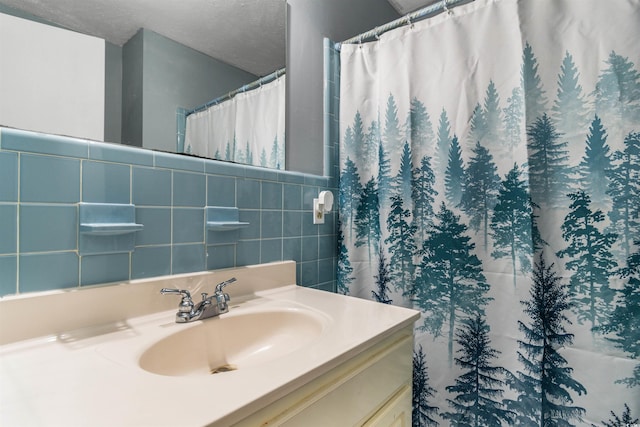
<point x="224" y="368"/>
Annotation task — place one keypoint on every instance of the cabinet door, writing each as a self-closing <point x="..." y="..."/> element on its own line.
<point x="395" y="413"/>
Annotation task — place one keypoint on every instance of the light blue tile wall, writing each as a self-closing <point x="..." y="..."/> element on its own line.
<point x="45" y="177"/>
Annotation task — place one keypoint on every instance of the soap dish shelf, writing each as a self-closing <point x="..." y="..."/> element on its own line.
<point x="223" y="224"/>
<point x="226" y="225"/>
<point x="109" y="229"/>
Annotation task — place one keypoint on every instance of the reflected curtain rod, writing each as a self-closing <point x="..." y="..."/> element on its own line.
<point x="420" y="14"/>
<point x="249" y="86"/>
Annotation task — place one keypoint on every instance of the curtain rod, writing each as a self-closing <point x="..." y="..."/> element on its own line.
<point x="425" y="12"/>
<point x="249" y="86"/>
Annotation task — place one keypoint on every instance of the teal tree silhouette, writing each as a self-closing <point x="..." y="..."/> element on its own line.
<point x="596" y="163"/>
<point x="367" y="219"/>
<point x="569" y="113"/>
<point x="549" y="172"/>
<point x="401" y="243"/>
<point x="423" y="195"/>
<point x="513" y="117"/>
<point x="384" y="176"/>
<point x="418" y="126"/>
<point x="622" y="325"/>
<point x="480" y="383"/>
<point x="228" y="154"/>
<point x="617" y="95"/>
<point x="392" y="135"/>
<point x="481" y="187"/>
<point x="358" y="137"/>
<point x="347" y="146"/>
<point x="492" y="115"/>
<point x="450" y="279"/>
<point x="423" y="414"/>
<point x="372" y="143"/>
<point x="344" y="269"/>
<point x="402" y="181"/>
<point x="382" y="280"/>
<point x="349" y="193"/>
<point x="624" y="189"/>
<point x="513" y="226"/>
<point x="441" y="158"/>
<point x="534" y="97"/>
<point x="249" y="154"/>
<point x="276" y="154"/>
<point x="263" y="158"/>
<point x="590" y="259"/>
<point x="477" y="125"/>
<point x="455" y="174"/>
<point x="626" y="420"/>
<point x="545" y="384"/>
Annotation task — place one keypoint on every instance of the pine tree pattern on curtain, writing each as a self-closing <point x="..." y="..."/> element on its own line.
<point x="248" y="128"/>
<point x="490" y="178"/>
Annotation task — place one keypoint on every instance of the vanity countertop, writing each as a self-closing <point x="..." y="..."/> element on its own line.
<point x="89" y="375"/>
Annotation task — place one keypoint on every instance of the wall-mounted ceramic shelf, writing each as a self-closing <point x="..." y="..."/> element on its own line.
<point x="224" y="219"/>
<point x="110" y="229"/>
<point x="107" y="228"/>
<point x="226" y="225"/>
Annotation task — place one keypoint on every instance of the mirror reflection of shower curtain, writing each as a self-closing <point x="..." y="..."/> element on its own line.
<point x="248" y="128"/>
<point x="490" y="177"/>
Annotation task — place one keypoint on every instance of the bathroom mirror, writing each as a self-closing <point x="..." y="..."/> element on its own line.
<point x="163" y="56"/>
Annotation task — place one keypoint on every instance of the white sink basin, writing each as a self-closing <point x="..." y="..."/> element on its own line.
<point x="231" y="342"/>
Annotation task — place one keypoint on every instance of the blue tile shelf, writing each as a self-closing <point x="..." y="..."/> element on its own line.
<point x="107" y="228"/>
<point x="224" y="219"/>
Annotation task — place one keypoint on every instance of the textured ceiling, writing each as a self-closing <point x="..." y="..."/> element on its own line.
<point x="249" y="34"/>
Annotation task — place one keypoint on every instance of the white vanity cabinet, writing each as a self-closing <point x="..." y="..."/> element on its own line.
<point x="372" y="388"/>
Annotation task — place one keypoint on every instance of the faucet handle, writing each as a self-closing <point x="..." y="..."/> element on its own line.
<point x="183" y="292"/>
<point x="220" y="286"/>
<point x="186" y="305"/>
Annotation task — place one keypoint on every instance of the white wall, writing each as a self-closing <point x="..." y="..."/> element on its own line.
<point x="51" y="80"/>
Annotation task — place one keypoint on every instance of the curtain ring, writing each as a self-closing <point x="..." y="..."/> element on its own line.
<point x="409" y="21"/>
<point x="446" y="8"/>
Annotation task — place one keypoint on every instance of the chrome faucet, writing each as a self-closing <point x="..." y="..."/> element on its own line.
<point x="210" y="306"/>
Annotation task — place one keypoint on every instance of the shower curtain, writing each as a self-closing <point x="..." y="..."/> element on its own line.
<point x="248" y="128"/>
<point x="490" y="178"/>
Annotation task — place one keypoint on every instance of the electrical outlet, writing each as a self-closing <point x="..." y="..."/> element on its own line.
<point x="318" y="212"/>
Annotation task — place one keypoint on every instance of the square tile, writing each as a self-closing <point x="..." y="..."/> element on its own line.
<point x="8" y="229"/>
<point x="43" y="272"/>
<point x="151" y="261"/>
<point x="189" y="189"/>
<point x="221" y="256"/>
<point x="188" y="225"/>
<point x="157" y="226"/>
<point x="271" y="224"/>
<point x="248" y="194"/>
<point x="98" y="269"/>
<point x="9" y="180"/>
<point x="248" y="252"/>
<point x="46" y="228"/>
<point x="188" y="258"/>
<point x="49" y="179"/>
<point x="105" y="182"/>
<point x="221" y="191"/>
<point x="8" y="273"/>
<point x="151" y="187"/>
<point x="271" y="195"/>
<point x="270" y="250"/>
